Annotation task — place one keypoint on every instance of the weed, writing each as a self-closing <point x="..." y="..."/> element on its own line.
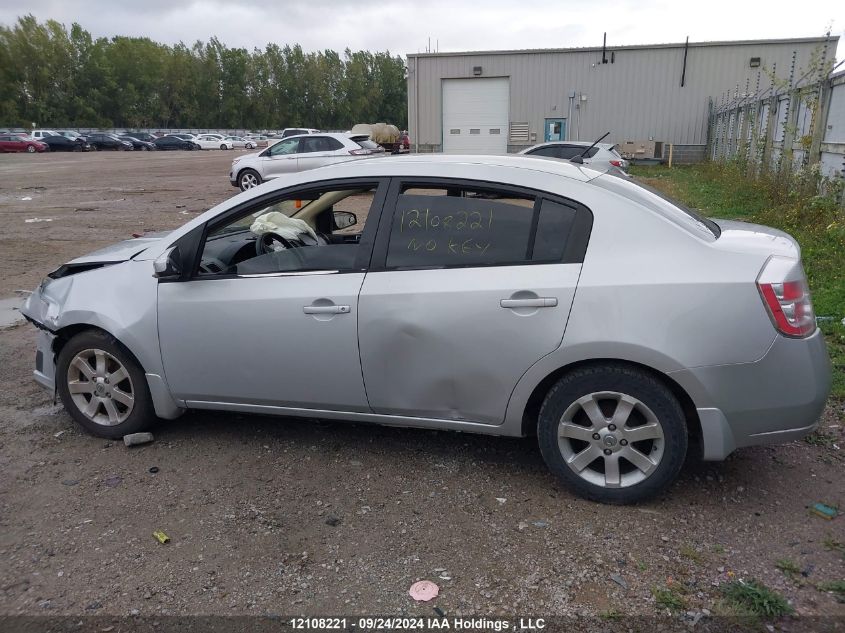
<point x="788" y="567"/>
<point x="833" y="586"/>
<point x="671" y="598"/>
<point x="688" y="551"/>
<point x="756" y="598"/>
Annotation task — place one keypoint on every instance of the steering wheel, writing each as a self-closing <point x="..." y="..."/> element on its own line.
<point x="271" y="242"/>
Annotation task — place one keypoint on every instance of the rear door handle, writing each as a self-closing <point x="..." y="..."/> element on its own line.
<point x="326" y="309"/>
<point x="539" y="302"/>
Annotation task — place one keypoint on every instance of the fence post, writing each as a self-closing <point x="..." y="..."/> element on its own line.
<point x="819" y="120"/>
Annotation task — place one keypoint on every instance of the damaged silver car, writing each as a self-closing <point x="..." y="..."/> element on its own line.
<point x="501" y="295"/>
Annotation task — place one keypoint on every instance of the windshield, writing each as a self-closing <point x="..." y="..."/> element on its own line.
<point x="657" y="201"/>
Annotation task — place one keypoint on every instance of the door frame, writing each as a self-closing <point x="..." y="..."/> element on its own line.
<point x="562" y="121"/>
<point x="191" y="244"/>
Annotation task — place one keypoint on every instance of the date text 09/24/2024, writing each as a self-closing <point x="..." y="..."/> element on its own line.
<point x="416" y="623"/>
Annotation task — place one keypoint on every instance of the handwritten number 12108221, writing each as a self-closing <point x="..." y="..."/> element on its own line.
<point x="416" y="220"/>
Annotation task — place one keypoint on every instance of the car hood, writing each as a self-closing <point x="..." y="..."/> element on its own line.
<point x="122" y="251"/>
<point x="245" y="156"/>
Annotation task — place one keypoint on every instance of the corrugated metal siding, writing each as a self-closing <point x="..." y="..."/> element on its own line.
<point x="637" y="97"/>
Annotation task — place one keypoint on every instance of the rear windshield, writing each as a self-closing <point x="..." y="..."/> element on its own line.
<point x="657" y="201"/>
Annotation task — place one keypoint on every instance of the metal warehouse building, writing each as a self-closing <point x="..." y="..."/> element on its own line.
<point x="502" y="101"/>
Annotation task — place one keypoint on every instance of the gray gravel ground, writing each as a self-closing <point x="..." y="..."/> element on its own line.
<point x="280" y="516"/>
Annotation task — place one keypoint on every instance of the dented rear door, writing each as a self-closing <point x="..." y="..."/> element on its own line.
<point x="447" y="335"/>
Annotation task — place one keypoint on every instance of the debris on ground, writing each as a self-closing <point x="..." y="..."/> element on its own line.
<point x="161" y="537"/>
<point x="134" y="439"/>
<point x="423" y="591"/>
<point x="153" y="470"/>
<point x="619" y="580"/>
<point x="824" y="511"/>
<point x="35" y="220"/>
<point x="113" y="481"/>
<point x="332" y="520"/>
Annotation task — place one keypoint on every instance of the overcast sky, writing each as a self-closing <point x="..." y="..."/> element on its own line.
<point x="404" y="26"/>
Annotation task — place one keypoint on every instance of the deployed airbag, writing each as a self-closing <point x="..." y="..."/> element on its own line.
<point x="281" y="225"/>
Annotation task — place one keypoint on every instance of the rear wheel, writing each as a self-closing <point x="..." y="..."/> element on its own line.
<point x="613" y="433"/>
<point x="248" y="179"/>
<point x="102" y="386"/>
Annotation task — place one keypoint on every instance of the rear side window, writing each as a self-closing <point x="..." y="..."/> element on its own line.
<point x="367" y="144"/>
<point x="457" y="227"/>
<point x="551" y="152"/>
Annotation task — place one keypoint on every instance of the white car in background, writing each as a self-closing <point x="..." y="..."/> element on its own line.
<point x="297" y="153"/>
<point x="601" y="156"/>
<point x="40" y="135"/>
<point x="213" y="141"/>
<point x="242" y="143"/>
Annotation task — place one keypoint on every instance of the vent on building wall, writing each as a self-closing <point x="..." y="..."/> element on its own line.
<point x="476" y="70"/>
<point x="755" y="62"/>
<point x="518" y="132"/>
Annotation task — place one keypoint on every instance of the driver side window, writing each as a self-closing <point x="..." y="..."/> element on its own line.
<point x="318" y="230"/>
<point x="288" y="146"/>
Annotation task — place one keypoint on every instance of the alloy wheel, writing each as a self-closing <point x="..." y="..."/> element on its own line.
<point x="248" y="181"/>
<point x="611" y="439"/>
<point x="100" y="387"/>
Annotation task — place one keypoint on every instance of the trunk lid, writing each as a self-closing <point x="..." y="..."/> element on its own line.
<point x="744" y="237"/>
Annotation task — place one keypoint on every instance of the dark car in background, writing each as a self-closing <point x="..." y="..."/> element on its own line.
<point x="173" y="143"/>
<point x="138" y="144"/>
<point x="72" y="135"/>
<point x="108" y="141"/>
<point x="65" y="144"/>
<point x="21" y="143"/>
<point x="142" y="136"/>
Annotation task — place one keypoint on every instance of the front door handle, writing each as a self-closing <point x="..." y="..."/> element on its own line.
<point x="326" y="309"/>
<point x="539" y="302"/>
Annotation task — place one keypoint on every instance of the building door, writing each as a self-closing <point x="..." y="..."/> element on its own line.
<point x="475" y="115"/>
<point x="555" y="130"/>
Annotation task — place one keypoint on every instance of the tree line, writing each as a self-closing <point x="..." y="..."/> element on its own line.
<point x="59" y="77"/>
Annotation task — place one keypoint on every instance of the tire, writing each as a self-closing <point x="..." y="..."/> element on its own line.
<point x="248" y="179"/>
<point x="650" y="412"/>
<point x="86" y="364"/>
<point x="223" y="146"/>
<point x="30" y="149"/>
<point x="144" y="148"/>
<point x="250" y="146"/>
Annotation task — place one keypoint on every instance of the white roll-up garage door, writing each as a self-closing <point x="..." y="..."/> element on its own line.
<point x="475" y="116"/>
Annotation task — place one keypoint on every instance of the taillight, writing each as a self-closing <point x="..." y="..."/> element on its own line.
<point x="616" y="163"/>
<point x="360" y="152"/>
<point x="783" y="286"/>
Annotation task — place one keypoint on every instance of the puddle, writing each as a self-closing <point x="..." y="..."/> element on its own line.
<point x="10" y="311"/>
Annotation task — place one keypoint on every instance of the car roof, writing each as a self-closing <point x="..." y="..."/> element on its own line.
<point x="388" y="165"/>
<point x="338" y="135"/>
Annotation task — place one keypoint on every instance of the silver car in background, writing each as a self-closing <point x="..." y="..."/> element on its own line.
<point x="298" y="153"/>
<point x="500" y="295"/>
<point x="603" y="156"/>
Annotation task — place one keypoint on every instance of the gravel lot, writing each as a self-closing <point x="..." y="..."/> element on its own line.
<point x="279" y="516"/>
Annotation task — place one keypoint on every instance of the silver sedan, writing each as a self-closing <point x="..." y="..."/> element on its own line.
<point x="499" y="295"/>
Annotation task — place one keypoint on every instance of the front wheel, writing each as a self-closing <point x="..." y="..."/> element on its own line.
<point x="248" y="179"/>
<point x="30" y="149"/>
<point x="250" y="146"/>
<point x="612" y="433"/>
<point x="223" y="146"/>
<point x="102" y="386"/>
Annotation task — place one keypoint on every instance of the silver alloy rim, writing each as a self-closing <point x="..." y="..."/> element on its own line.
<point x="100" y="387"/>
<point x="248" y="181"/>
<point x="30" y="149"/>
<point x="611" y="439"/>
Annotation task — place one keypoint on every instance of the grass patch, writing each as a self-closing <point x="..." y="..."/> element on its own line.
<point x="790" y="569"/>
<point x="833" y="545"/>
<point x="689" y="552"/>
<point x="833" y="586"/>
<point x="751" y="596"/>
<point x="611" y="614"/>
<point x="784" y="202"/>
<point x="670" y="598"/>
<point x="820" y="438"/>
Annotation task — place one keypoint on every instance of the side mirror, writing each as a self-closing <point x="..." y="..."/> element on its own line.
<point x="344" y="219"/>
<point x="168" y="265"/>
